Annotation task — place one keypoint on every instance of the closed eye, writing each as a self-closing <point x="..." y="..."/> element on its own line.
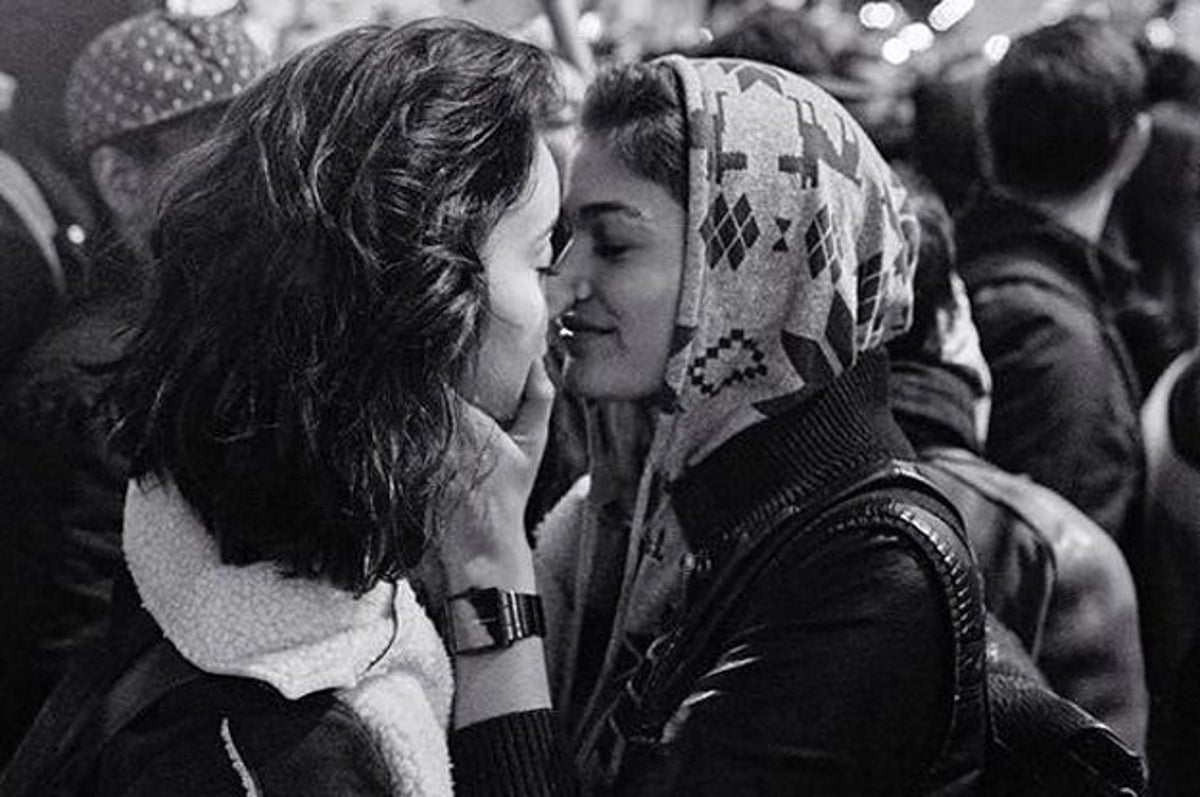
<point x="610" y="251"/>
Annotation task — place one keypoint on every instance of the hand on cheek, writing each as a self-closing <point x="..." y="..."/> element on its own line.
<point x="484" y="543"/>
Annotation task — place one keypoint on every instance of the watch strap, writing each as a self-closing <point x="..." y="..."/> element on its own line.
<point x="480" y="620"/>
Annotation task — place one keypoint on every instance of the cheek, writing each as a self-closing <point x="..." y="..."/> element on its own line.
<point x="518" y="306"/>
<point x="514" y="335"/>
<point x="649" y="314"/>
<point x="650" y="339"/>
<point x="514" y="338"/>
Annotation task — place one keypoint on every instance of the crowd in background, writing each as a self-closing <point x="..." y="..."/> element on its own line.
<point x="1049" y="382"/>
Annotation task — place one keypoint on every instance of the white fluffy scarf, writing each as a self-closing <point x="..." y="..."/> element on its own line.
<point x="380" y="651"/>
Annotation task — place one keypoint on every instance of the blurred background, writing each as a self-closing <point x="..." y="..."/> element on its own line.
<point x="881" y="44"/>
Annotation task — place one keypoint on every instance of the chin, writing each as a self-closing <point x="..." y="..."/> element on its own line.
<point x="500" y="405"/>
<point x="604" y="384"/>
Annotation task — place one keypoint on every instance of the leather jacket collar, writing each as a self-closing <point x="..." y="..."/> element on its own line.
<point x="838" y="429"/>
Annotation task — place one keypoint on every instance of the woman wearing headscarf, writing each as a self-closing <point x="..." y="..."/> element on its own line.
<point x="767" y="600"/>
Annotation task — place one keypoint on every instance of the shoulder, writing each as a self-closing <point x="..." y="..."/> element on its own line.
<point x="886" y="556"/>
<point x="1030" y="294"/>
<point x="1025" y="325"/>
<point x="994" y="501"/>
<point x="52" y="395"/>
<point x="850" y="649"/>
<point x="1021" y="280"/>
<point x="1054" y="520"/>
<point x="220" y="735"/>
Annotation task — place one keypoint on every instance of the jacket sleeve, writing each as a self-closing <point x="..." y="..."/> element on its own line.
<point x="838" y="682"/>
<point x="513" y="755"/>
<point x="1092" y="652"/>
<point x="236" y="757"/>
<point x="1061" y="410"/>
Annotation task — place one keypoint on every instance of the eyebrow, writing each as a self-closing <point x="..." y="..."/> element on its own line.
<point x="593" y="209"/>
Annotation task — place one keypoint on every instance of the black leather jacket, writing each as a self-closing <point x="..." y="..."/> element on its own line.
<point x="851" y="661"/>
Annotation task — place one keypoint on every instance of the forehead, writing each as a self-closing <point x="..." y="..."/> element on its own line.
<point x="531" y="216"/>
<point x="600" y="178"/>
<point x="541" y="185"/>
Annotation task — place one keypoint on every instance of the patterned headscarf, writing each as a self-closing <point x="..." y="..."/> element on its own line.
<point x="799" y="256"/>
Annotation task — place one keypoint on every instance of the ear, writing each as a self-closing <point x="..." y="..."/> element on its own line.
<point x="119" y="179"/>
<point x="1132" y="149"/>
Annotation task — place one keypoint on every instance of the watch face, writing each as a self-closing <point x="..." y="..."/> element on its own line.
<point x="476" y="621"/>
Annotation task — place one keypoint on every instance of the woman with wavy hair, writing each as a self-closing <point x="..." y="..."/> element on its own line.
<point x="334" y="410"/>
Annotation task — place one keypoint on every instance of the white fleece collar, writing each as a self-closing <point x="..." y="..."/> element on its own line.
<point x="380" y="651"/>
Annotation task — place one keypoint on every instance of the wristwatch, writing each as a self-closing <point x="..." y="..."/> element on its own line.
<point x="480" y="620"/>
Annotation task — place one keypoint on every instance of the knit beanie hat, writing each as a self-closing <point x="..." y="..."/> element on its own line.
<point x="154" y="68"/>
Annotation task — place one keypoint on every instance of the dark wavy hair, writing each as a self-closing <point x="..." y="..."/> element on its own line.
<point x="638" y="110"/>
<point x="1059" y="105"/>
<point x="321" y="293"/>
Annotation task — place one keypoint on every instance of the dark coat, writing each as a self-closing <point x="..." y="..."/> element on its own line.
<point x="27" y="293"/>
<point x="1066" y="396"/>
<point x="61" y="498"/>
<point x="1171" y="592"/>
<point x="133" y="718"/>
<point x="838" y="672"/>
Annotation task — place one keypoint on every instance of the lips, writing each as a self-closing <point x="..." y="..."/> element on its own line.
<point x="572" y="326"/>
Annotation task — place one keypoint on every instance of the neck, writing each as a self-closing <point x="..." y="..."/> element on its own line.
<point x="1084" y="214"/>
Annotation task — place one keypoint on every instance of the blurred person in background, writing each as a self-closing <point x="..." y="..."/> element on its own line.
<point x="1171" y="599"/>
<point x="787" y="38"/>
<point x="1064" y="129"/>
<point x="945" y="146"/>
<point x="1050" y="574"/>
<point x="47" y="212"/>
<point x="142" y="92"/>
<point x="1156" y="219"/>
<point x="1172" y="75"/>
<point x="798" y="40"/>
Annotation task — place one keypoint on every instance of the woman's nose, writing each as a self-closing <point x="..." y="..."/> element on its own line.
<point x="569" y="285"/>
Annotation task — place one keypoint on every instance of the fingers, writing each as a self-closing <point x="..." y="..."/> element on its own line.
<point x="482" y="424"/>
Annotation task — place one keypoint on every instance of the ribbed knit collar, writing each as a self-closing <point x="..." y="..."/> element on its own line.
<point x="794" y="457"/>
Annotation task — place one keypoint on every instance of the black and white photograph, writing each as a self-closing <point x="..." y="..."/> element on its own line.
<point x="630" y="398"/>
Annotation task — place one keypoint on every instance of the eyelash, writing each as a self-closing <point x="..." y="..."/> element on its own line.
<point x="610" y="251"/>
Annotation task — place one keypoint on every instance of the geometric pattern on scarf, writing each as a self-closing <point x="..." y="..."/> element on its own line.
<point x="799" y="255"/>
